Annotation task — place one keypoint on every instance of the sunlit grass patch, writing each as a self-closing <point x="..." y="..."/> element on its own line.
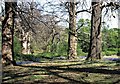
<point x="95" y="72"/>
<point x="36" y="77"/>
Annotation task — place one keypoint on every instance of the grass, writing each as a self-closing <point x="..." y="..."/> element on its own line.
<point x="64" y="72"/>
<point x="34" y="77"/>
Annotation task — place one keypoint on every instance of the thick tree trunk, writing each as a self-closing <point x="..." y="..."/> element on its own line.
<point x="95" y="38"/>
<point x="7" y="34"/>
<point x="72" y="39"/>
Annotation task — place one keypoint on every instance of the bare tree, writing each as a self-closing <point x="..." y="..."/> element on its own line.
<point x="35" y="26"/>
<point x="25" y="25"/>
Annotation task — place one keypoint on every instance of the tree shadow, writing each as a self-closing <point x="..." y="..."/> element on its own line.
<point x="89" y="69"/>
<point x="51" y="70"/>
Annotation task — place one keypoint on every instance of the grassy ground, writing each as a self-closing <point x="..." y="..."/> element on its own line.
<point x="63" y="72"/>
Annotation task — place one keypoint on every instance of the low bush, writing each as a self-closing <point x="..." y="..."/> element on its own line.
<point x="108" y="53"/>
<point x="17" y="45"/>
<point x="81" y="53"/>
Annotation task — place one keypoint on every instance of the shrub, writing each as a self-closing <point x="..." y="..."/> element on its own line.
<point x="17" y="48"/>
<point x="17" y="45"/>
<point x="81" y="53"/>
<point x="108" y="53"/>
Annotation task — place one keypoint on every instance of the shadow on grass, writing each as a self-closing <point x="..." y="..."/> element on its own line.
<point x="38" y="69"/>
<point x="90" y="70"/>
<point x="13" y="75"/>
<point x="49" y="70"/>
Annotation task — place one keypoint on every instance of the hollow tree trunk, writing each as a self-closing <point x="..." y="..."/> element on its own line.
<point x="72" y="39"/>
<point x="95" y="38"/>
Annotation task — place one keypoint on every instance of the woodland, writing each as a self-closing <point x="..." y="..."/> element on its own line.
<point x="59" y="42"/>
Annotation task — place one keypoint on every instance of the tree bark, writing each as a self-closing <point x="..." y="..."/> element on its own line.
<point x="72" y="39"/>
<point x="7" y="34"/>
<point x="95" y="38"/>
<point x="25" y="42"/>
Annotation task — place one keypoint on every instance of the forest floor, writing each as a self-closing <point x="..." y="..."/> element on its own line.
<point x="64" y="72"/>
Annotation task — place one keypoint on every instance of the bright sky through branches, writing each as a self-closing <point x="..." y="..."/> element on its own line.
<point x="109" y="20"/>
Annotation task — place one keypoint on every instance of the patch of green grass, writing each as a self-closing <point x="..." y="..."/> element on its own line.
<point x="110" y="51"/>
<point x="36" y="77"/>
<point x="50" y="72"/>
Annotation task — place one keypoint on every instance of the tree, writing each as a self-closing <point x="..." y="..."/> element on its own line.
<point x="25" y="22"/>
<point x="110" y="41"/>
<point x="28" y="16"/>
<point x="95" y="38"/>
<point x="70" y="8"/>
<point x="44" y="35"/>
<point x="7" y="33"/>
<point x="72" y="38"/>
<point x="60" y="10"/>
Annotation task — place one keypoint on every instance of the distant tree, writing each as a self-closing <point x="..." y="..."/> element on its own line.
<point x="25" y="22"/>
<point x="110" y="39"/>
<point x="35" y="29"/>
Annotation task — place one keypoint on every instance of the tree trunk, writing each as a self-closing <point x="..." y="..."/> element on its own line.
<point x="7" y="34"/>
<point x="95" y="38"/>
<point x="118" y="41"/>
<point x="72" y="39"/>
<point x="25" y="42"/>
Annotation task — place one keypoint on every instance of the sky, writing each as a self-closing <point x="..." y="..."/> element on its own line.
<point x="112" y="22"/>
